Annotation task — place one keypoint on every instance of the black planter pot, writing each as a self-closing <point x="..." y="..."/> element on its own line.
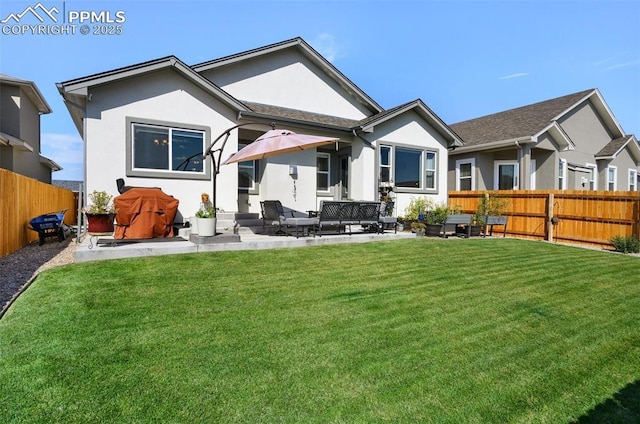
<point x="433" y="230"/>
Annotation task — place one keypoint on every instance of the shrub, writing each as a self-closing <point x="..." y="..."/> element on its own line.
<point x="628" y="244"/>
<point x="417" y="206"/>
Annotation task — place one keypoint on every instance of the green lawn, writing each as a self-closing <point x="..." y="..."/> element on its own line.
<point x="415" y="330"/>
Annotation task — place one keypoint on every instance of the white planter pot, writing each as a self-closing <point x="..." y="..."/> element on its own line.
<point x="193" y="224"/>
<point x="206" y="227"/>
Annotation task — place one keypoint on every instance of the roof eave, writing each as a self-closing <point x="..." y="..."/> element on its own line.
<point x="425" y="112"/>
<point x="32" y="91"/>
<point x="558" y="134"/>
<point x="309" y="52"/>
<point x="50" y="163"/>
<point x="250" y="115"/>
<point x="603" y="109"/>
<point x="514" y="142"/>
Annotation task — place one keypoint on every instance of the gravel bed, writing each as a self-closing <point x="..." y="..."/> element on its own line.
<point x="19" y="268"/>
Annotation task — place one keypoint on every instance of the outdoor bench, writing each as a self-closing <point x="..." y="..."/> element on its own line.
<point x="491" y="220"/>
<point x="340" y="214"/>
<point x="455" y="220"/>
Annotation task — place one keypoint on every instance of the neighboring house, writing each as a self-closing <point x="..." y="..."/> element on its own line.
<point x="572" y="142"/>
<point x="21" y="104"/>
<point x="142" y="122"/>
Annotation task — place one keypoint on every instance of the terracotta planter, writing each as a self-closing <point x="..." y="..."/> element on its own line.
<point x="100" y="223"/>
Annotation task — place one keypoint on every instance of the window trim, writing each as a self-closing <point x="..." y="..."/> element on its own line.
<point x="516" y="171"/>
<point x="533" y="168"/>
<point x="255" y="188"/>
<point x="562" y="179"/>
<point x="472" y="177"/>
<point x="593" y="178"/>
<point x="633" y="180"/>
<point x="327" y="172"/>
<point x="615" y="177"/>
<point x="165" y="174"/>
<point x="423" y="167"/>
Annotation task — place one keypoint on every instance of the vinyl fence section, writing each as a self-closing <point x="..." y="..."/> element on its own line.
<point x="577" y="217"/>
<point x="23" y="198"/>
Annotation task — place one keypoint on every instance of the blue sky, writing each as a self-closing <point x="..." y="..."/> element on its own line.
<point x="464" y="59"/>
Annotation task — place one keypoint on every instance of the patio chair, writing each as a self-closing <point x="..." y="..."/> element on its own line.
<point x="273" y="214"/>
<point x="385" y="220"/>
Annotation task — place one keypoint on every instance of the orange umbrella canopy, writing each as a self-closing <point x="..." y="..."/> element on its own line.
<point x="277" y="142"/>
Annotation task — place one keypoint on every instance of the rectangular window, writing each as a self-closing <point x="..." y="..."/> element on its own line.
<point x="385" y="164"/>
<point x="506" y="175"/>
<point x="167" y="149"/>
<point x="593" y="176"/>
<point x="612" y="172"/>
<point x="633" y="180"/>
<point x="465" y="170"/>
<point x="322" y="171"/>
<point x="562" y="174"/>
<point x="408" y="168"/>
<point x="247" y="172"/>
<point x="430" y="169"/>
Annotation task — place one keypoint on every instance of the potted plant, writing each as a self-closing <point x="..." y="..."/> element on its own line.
<point x="477" y="223"/>
<point x="418" y="228"/>
<point x="206" y="218"/>
<point x="489" y="205"/>
<point x="100" y="212"/>
<point x="435" y="218"/>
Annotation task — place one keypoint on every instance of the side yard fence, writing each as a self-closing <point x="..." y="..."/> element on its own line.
<point x="568" y="216"/>
<point x="23" y="198"/>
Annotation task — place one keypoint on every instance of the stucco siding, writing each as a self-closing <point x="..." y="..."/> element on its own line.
<point x="165" y="97"/>
<point x="287" y="79"/>
<point x="409" y="130"/>
<point x="546" y="169"/>
<point x="624" y="163"/>
<point x="585" y="128"/>
<point x="10" y="110"/>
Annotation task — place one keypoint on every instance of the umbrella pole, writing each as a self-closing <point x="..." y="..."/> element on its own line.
<point x="215" y="162"/>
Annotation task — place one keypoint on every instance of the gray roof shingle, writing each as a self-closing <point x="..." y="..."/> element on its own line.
<point x="613" y="146"/>
<point x="301" y="115"/>
<point x="516" y="123"/>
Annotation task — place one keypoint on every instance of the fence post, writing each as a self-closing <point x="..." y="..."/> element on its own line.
<point x="549" y="214"/>
<point x="636" y="218"/>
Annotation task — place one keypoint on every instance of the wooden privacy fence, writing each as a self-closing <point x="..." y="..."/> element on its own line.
<point x="578" y="217"/>
<point x="23" y="198"/>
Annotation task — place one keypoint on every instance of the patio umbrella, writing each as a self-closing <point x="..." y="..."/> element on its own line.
<point x="277" y="142"/>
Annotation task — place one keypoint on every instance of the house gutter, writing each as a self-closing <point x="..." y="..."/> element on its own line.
<point x="518" y="142"/>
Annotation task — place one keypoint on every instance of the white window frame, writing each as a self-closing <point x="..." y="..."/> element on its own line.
<point x="593" y="178"/>
<point x="423" y="168"/>
<point x="472" y="177"/>
<point x="633" y="179"/>
<point x="562" y="174"/>
<point x="389" y="165"/>
<point x="327" y="172"/>
<point x="425" y="156"/>
<point x="615" y="178"/>
<point x="532" y="174"/>
<point x="496" y="175"/>
<point x="254" y="171"/>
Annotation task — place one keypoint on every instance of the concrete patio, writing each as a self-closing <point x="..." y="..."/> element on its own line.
<point x="248" y="241"/>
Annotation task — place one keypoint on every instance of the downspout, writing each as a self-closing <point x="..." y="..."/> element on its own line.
<point x="366" y="142"/>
